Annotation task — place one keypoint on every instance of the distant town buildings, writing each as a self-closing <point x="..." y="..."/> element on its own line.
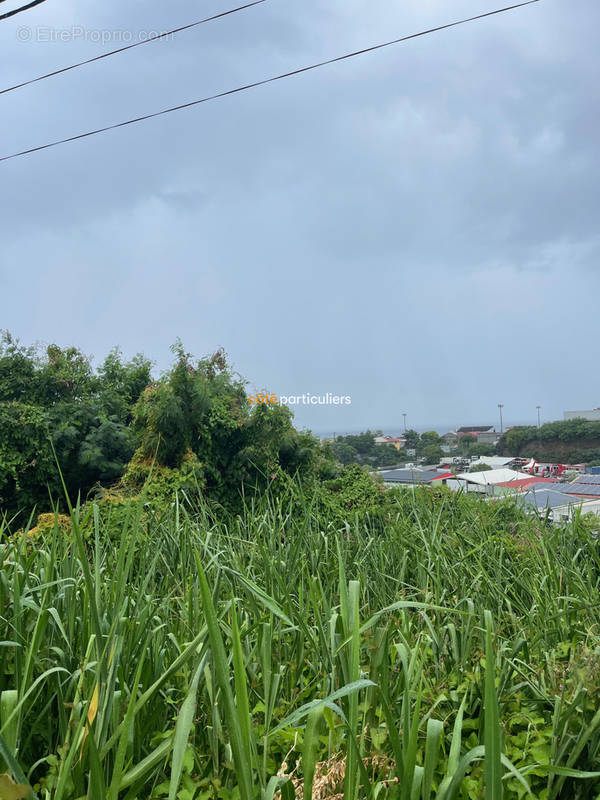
<point x="451" y="438"/>
<point x="485" y="434"/>
<point x="590" y="416"/>
<point x="489" y="437"/>
<point x="544" y="489"/>
<point x="552" y="498"/>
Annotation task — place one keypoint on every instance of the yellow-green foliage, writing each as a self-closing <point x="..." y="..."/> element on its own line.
<point x="160" y="482"/>
<point x="47" y="523"/>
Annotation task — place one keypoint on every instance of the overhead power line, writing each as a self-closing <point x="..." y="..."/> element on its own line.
<point x="8" y="14"/>
<point x="129" y="46"/>
<point x="256" y="84"/>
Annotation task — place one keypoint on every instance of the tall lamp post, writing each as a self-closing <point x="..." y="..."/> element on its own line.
<point x="501" y="406"/>
<point x="539" y="421"/>
<point x="404" y="415"/>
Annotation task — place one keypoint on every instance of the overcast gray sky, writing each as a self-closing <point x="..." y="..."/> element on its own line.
<point x="416" y="228"/>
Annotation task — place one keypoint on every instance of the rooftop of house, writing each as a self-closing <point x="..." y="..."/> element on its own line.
<point x="587" y="479"/>
<point x="414" y="476"/>
<point x="544" y="498"/>
<point x="496" y="462"/>
<point x="526" y="483"/>
<point x="491" y="477"/>
<point x="581" y="489"/>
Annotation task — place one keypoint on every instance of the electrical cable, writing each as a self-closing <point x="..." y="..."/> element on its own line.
<point x="8" y="14"/>
<point x="256" y="84"/>
<point x="129" y="46"/>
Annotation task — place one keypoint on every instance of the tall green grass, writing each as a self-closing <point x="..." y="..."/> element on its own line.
<point x="452" y="653"/>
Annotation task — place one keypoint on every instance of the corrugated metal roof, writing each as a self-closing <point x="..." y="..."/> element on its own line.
<point x="588" y="489"/>
<point x="542" y="483"/>
<point x="526" y="483"/>
<point x="587" y="479"/>
<point x="414" y="476"/>
<point x="545" y="498"/>
<point x="491" y="477"/>
<point x="475" y="429"/>
<point x="495" y="462"/>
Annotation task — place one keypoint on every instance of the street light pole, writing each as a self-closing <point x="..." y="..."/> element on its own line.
<point x="404" y="415"/>
<point x="539" y="422"/>
<point x="501" y="406"/>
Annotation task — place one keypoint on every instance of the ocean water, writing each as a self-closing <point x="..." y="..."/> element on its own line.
<point x="395" y="430"/>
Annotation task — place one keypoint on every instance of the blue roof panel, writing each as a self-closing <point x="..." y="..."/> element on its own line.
<point x="588" y="479"/>
<point x="545" y="498"/>
<point x="409" y="476"/>
<point x="591" y="489"/>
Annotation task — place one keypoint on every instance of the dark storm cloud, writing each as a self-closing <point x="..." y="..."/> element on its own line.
<point x="416" y="228"/>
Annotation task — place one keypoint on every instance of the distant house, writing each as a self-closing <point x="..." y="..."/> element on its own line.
<point x="488" y="437"/>
<point x="590" y="416"/>
<point x="415" y="477"/>
<point x="399" y="442"/>
<point x="473" y="430"/>
<point x="451" y="437"/>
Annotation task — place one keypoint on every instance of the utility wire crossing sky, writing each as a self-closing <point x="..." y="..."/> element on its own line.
<point x="265" y="81"/>
<point x="131" y="46"/>
<point x="8" y="14"/>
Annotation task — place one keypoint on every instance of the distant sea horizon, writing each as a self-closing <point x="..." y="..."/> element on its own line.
<point x="394" y="430"/>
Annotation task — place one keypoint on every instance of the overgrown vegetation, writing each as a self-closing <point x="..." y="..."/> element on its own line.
<point x="231" y="614"/>
<point x="360" y="448"/>
<point x="120" y="424"/>
<point x="574" y="441"/>
<point x="53" y="406"/>
<point x="337" y="642"/>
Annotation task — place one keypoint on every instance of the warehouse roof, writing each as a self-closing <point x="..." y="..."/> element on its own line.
<point x="475" y="429"/>
<point x="587" y="479"/>
<point x="545" y="498"/>
<point x="414" y="476"/>
<point x="492" y="477"/>
<point x="496" y="462"/>
<point x="526" y="483"/>
<point x="587" y="489"/>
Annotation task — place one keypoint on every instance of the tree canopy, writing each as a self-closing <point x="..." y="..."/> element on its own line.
<point x="119" y="423"/>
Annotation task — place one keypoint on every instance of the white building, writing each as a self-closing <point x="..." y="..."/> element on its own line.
<point x="489" y="437"/>
<point x="495" y="462"/>
<point x="590" y="416"/>
<point x="484" y="480"/>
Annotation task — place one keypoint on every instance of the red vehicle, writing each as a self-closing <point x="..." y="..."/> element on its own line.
<point x="547" y="470"/>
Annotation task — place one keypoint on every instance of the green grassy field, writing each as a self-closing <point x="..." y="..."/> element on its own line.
<point x="450" y="650"/>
